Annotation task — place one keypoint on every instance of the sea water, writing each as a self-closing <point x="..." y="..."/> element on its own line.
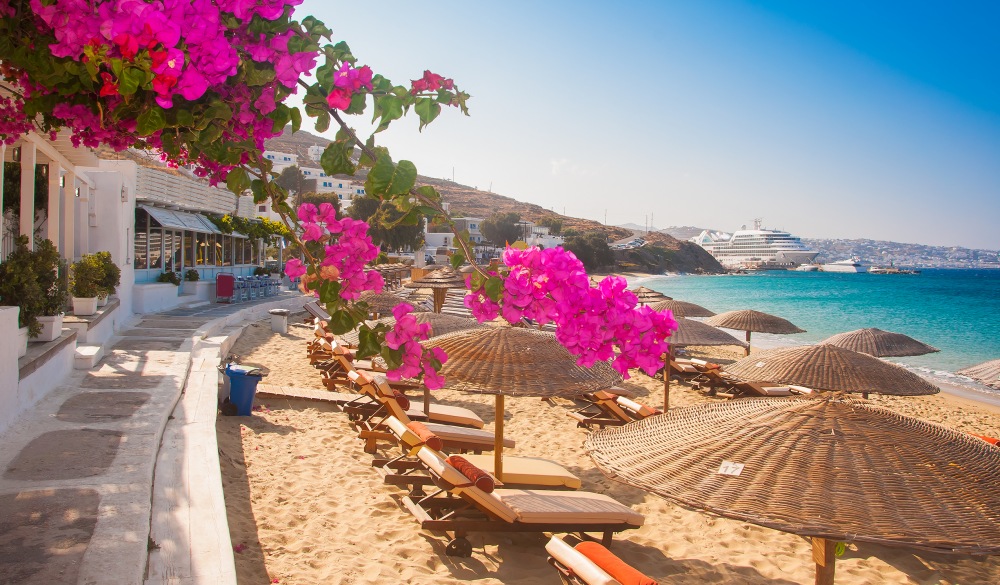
<point x="956" y="311"/>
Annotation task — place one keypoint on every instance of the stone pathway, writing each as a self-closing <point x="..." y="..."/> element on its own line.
<point x="77" y="497"/>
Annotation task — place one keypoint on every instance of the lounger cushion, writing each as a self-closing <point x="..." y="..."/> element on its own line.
<point x="641" y="410"/>
<point x="466" y="435"/>
<point x="444" y="413"/>
<point x="477" y="476"/>
<point x="540" y="506"/>
<point x="437" y="464"/>
<point x="426" y="436"/>
<point x="776" y="390"/>
<point x="623" y="572"/>
<point x="528" y="471"/>
<point x="401" y="399"/>
<point x="578" y="563"/>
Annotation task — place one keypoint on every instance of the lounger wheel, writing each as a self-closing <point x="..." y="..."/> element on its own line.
<point x="459" y="547"/>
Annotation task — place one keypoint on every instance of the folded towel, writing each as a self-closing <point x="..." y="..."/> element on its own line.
<point x="989" y="440"/>
<point x="623" y="572"/>
<point x="477" y="477"/>
<point x="426" y="436"/>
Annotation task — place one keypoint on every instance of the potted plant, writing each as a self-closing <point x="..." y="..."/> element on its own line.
<point x="19" y="287"/>
<point x="170" y="276"/>
<point x="88" y="274"/>
<point x="112" y="278"/>
<point x="191" y="275"/>
<point x="52" y="279"/>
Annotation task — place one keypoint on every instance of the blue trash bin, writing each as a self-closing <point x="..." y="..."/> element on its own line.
<point x="243" y="386"/>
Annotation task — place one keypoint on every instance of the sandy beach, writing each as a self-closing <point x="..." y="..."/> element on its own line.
<point x="305" y="507"/>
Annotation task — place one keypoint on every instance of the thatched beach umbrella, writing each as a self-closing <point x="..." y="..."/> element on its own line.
<point x="690" y="332"/>
<point x="987" y="372"/>
<point x="513" y="361"/>
<point x="880" y="343"/>
<point x="753" y="321"/>
<point x="682" y="309"/>
<point x="648" y="295"/>
<point x="440" y="281"/>
<point x="830" y="468"/>
<point x="831" y="368"/>
<point x="385" y="302"/>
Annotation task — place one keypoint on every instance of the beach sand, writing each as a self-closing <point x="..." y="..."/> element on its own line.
<point x="305" y="507"/>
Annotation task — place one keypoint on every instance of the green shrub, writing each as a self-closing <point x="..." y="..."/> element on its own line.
<point x="112" y="274"/>
<point x="171" y="277"/>
<point x="191" y="275"/>
<point x="20" y="286"/>
<point x="88" y="276"/>
<point x="260" y="271"/>
<point x="53" y="277"/>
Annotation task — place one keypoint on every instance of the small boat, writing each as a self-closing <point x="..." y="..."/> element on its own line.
<point x="852" y="265"/>
<point x="807" y="268"/>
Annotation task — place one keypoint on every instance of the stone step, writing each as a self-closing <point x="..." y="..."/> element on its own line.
<point x="193" y="304"/>
<point x="87" y="356"/>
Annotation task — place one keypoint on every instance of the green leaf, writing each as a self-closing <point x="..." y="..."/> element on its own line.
<point x="218" y="109"/>
<point x="324" y="75"/>
<point x="210" y="134"/>
<point x="494" y="288"/>
<point x="358" y="103"/>
<point x="296" y="119"/>
<point x="184" y="117"/>
<point x="238" y="180"/>
<point x="390" y="108"/>
<point x="429" y="193"/>
<point x="336" y="158"/>
<point x="131" y="79"/>
<point x="150" y="120"/>
<point x="322" y="119"/>
<point x="341" y="322"/>
<point x="427" y="109"/>
<point x="393" y="357"/>
<point x="258" y="73"/>
<point x="457" y="259"/>
<point x="387" y="178"/>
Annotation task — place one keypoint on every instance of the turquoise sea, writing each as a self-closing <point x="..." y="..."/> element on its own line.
<point x="956" y="311"/>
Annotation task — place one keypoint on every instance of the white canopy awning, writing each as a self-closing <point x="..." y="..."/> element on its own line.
<point x="181" y="220"/>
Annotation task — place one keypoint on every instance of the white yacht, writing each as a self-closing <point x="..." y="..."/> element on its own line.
<point x="852" y="265"/>
<point x="756" y="248"/>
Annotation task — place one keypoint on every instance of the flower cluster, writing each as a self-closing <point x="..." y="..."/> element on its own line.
<point x="346" y="248"/>
<point x="141" y="55"/>
<point x="405" y="336"/>
<point x="347" y="82"/>
<point x="551" y="286"/>
<point x="430" y="82"/>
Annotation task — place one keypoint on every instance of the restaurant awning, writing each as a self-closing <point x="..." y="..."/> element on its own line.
<point x="182" y="220"/>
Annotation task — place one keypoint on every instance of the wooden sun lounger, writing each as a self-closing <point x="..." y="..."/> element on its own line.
<point x="610" y="410"/>
<point x="576" y="568"/>
<point x="462" y="508"/>
<point x="404" y="471"/>
<point x="372" y="430"/>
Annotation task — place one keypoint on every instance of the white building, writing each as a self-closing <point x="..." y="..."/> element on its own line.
<point x="345" y="189"/>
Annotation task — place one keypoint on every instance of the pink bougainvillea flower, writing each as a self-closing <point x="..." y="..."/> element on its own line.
<point x="339" y="98"/>
<point x="307" y="213"/>
<point x="311" y="232"/>
<point x="110" y="88"/>
<point x="294" y="268"/>
<point x="327" y="213"/>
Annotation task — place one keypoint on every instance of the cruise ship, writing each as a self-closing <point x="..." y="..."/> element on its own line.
<point x="756" y="248"/>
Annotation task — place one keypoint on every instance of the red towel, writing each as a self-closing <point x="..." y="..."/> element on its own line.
<point x="430" y="439"/>
<point x="621" y="571"/>
<point x="989" y="440"/>
<point x="477" y="477"/>
<point x="401" y="399"/>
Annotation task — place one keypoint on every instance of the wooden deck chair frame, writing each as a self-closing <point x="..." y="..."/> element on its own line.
<point x="457" y="513"/>
<point x="372" y="429"/>
<point x="408" y="473"/>
<point x="603" y="411"/>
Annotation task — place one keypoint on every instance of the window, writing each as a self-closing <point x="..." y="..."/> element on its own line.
<point x="238" y="247"/>
<point x="340" y="185"/>
<point x="287" y="158"/>
<point x="322" y="174"/>
<point x="262" y="208"/>
<point x="270" y="157"/>
<point x="306" y="172"/>
<point x="155" y="248"/>
<point x="227" y="250"/>
<point x="141" y="227"/>
<point x="341" y="197"/>
<point x="247" y="251"/>
<point x="189" y="249"/>
<point x="327" y="184"/>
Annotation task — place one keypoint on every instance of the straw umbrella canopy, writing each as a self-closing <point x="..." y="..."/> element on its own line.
<point x="682" y="309"/>
<point x="440" y="281"/>
<point x="831" y="368"/>
<point x="880" y="343"/>
<point x="830" y="468"/>
<point x="691" y="332"/>
<point x="648" y="295"/>
<point x="987" y="372"/>
<point x="385" y="302"/>
<point x="514" y="361"/>
<point x="753" y="321"/>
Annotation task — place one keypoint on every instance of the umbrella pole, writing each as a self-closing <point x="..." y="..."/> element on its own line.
<point x="823" y="555"/>
<point x="439" y="299"/>
<point x="498" y="440"/>
<point x="427" y="402"/>
<point x="748" y="342"/>
<point x="666" y="379"/>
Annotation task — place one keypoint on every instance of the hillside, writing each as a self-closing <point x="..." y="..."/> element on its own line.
<point x="669" y="254"/>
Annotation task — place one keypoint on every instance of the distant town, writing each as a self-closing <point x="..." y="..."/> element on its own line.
<point x="881" y="253"/>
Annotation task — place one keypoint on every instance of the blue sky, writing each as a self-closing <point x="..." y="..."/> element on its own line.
<point x="841" y="119"/>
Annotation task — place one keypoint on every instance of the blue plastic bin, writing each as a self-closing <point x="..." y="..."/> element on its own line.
<point x="242" y="387"/>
